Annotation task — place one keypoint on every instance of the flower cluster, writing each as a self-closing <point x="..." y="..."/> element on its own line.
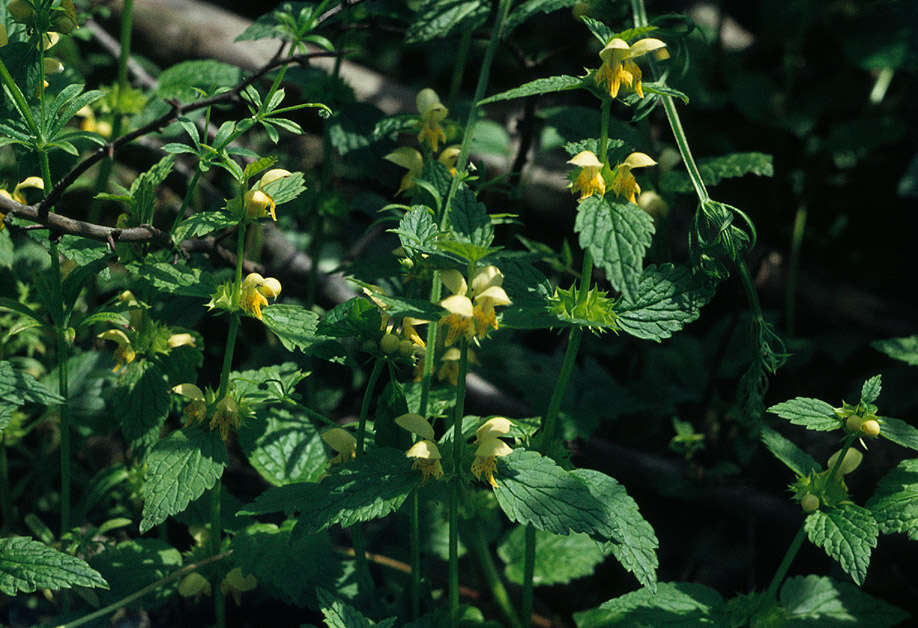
<point x="471" y="306"/>
<point x="619" y="68"/>
<point x="425" y="452"/>
<point x="226" y="415"/>
<point x="256" y="290"/>
<point x="490" y="447"/>
<point x="590" y="179"/>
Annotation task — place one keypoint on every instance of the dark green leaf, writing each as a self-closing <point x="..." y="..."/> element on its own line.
<point x="674" y="604"/>
<point x="870" y="391"/>
<point x="905" y="349"/>
<point x="181" y="79"/>
<point x="27" y="565"/>
<point x="895" y="502"/>
<point x="132" y="565"/>
<point x="437" y="18"/>
<point x="355" y="318"/>
<point x="144" y="405"/>
<point x="529" y="8"/>
<point x="177" y="278"/>
<point x="558" y="560"/>
<point x="18" y="387"/>
<point x="668" y="298"/>
<point x="714" y="169"/>
<point x="203" y="223"/>
<point x="539" y="86"/>
<point x="339" y="614"/>
<point x="283" y="448"/>
<point x="821" y="601"/>
<point x="469" y="219"/>
<point x="899" y="432"/>
<point x="814" y="414"/>
<point x="787" y="452"/>
<point x="847" y="534"/>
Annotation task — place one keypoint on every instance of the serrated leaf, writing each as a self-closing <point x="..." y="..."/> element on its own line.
<point x="847" y="534"/>
<point x="635" y="544"/>
<point x="203" y="223"/>
<point x="144" y="405"/>
<point x="180" y="80"/>
<point x="899" y="432"/>
<point x="295" y="327"/>
<point x="715" y="169"/>
<point x="269" y="384"/>
<point x="529" y="8"/>
<point x="177" y="278"/>
<point x="668" y="298"/>
<point x="904" y="349"/>
<point x="469" y="219"/>
<point x="417" y="230"/>
<point x="558" y="559"/>
<point x="894" y="504"/>
<point x="533" y="489"/>
<point x="111" y="318"/>
<point x="288" y="568"/>
<point x="27" y="565"/>
<point x="617" y="236"/>
<point x="18" y="387"/>
<point x="870" y="391"/>
<point x="437" y="18"/>
<point x="821" y="601"/>
<point x="814" y="414"/>
<point x="179" y="469"/>
<point x="283" y="447"/>
<point x="286" y="189"/>
<point x="674" y="604"/>
<point x="132" y="565"/>
<point x="355" y="318"/>
<point x="398" y="307"/>
<point x="547" y="85"/>
<point x="600" y="31"/>
<point x="339" y="614"/>
<point x="787" y="452"/>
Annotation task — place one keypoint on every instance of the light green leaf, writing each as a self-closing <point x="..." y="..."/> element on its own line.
<point x="668" y="298"/>
<point x="203" y="223"/>
<point x="813" y="414"/>
<point x="181" y="79"/>
<point x="895" y="503"/>
<point x="635" y="544"/>
<point x="558" y="560"/>
<point x="417" y="231"/>
<point x="27" y="565"/>
<point x="282" y="447"/>
<point x="905" y="348"/>
<point x="18" y="388"/>
<point x="286" y="189"/>
<point x="132" y="565"/>
<point x="533" y="489"/>
<point x="899" y="432"/>
<point x="144" y="405"/>
<point x="113" y="318"/>
<point x="179" y="469"/>
<point x="787" y="452"/>
<point x="355" y="318"/>
<point x="674" y="604"/>
<point x="339" y="614"/>
<point x="617" y="235"/>
<point x="269" y="384"/>
<point x="547" y="85"/>
<point x="847" y="534"/>
<point x="288" y="568"/>
<point x="714" y="169"/>
<point x="178" y="279"/>
<point x="294" y="325"/>
<point x="398" y="307"/>
<point x="821" y="601"/>
<point x="469" y="219"/>
<point x="870" y="391"/>
<point x="437" y="18"/>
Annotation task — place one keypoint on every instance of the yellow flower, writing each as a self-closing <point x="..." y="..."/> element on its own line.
<point x="124" y="354"/>
<point x="449" y="157"/>
<point x="459" y="321"/>
<point x="618" y="66"/>
<point x="490" y="446"/>
<point x="256" y="290"/>
<point x="623" y="182"/>
<point x="29" y="182"/>
<point x="432" y="113"/>
<point x="180" y="340"/>
<point x="194" y="585"/>
<point x="196" y="408"/>
<point x="427" y="459"/>
<point x="343" y="442"/>
<point x="449" y="366"/>
<point x="589" y="180"/>
<point x="258" y="203"/>
<point x="411" y="160"/>
<point x="226" y="415"/>
<point x="89" y="123"/>
<point x="468" y="319"/>
<point x="236" y="584"/>
<point x="487" y="293"/>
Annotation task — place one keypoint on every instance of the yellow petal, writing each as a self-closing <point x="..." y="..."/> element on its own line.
<point x="273" y="175"/>
<point x="454" y="280"/>
<point x="449" y="156"/>
<point x="116" y="335"/>
<point x="53" y="66"/>
<point x="416" y="424"/>
<point x="485" y="278"/>
<point x="615" y="50"/>
<point x="190" y="391"/>
<point x="4" y="36"/>
<point x="29" y="182"/>
<point x="425" y="449"/>
<point x="429" y="105"/>
<point x="585" y="159"/>
<point x="252" y="281"/>
<point x="638" y="160"/>
<point x="495" y="295"/>
<point x="407" y="158"/>
<point x="643" y="46"/>
<point x="458" y="304"/>
<point x="491" y="447"/>
<point x="180" y="340"/>
<point x="493" y="427"/>
<point x="851" y="462"/>
<point x="271" y="288"/>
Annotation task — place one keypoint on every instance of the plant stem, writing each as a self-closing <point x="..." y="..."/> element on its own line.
<point x="6" y="506"/>
<point x="414" y="592"/>
<point x="216" y="529"/>
<point x="102" y="612"/>
<point x="528" y="573"/>
<point x="456" y="485"/>
<point x="785" y="564"/>
<point x="475" y="541"/>
<point x="793" y="266"/>
<point x="365" y="403"/>
<point x="186" y="201"/>
<point x="462" y="55"/>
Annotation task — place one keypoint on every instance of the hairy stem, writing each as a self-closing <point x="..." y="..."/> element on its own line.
<point x="456" y="485"/>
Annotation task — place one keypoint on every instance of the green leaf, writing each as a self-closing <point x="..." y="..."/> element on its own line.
<point x="110" y="318"/>
<point x="437" y="18"/>
<point x="339" y="614"/>
<point x="355" y="318"/>
<point x="821" y="601"/>
<point x="18" y="387"/>
<point x="13" y="305"/>
<point x="547" y="85"/>
<point x="180" y="279"/>
<point x="144" y="405"/>
<point x="286" y="189"/>
<point x="82" y="250"/>
<point x="617" y="236"/>
<point x="895" y="503"/>
<point x="899" y="432"/>
<point x="635" y="544"/>
<point x="132" y="565"/>
<point x="713" y="170"/>
<point x="847" y="534"/>
<point x="905" y="348"/>
<point x="417" y="230"/>
<point x="179" y="469"/>
<point x="558" y="560"/>
<point x="144" y="189"/>
<point x="668" y="298"/>
<point x="674" y="604"/>
<point x="787" y="452"/>
<point x="283" y="447"/>
<point x="398" y="307"/>
<point x="469" y="219"/>
<point x="533" y="489"/>
<point x="813" y="414"/>
<point x="289" y="568"/>
<point x="529" y="8"/>
<point x="269" y="384"/>
<point x="27" y="565"/>
<point x="203" y="223"/>
<point x="181" y="79"/>
<point x="870" y="391"/>
<point x="295" y="327"/>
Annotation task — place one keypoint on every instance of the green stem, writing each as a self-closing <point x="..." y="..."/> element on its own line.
<point x="187" y="200"/>
<point x="175" y="575"/>
<point x="456" y="485"/>
<point x="793" y="267"/>
<point x="785" y="564"/>
<point x="414" y="592"/>
<point x="19" y="97"/>
<point x="528" y="573"/>
<point x="462" y="55"/>
<point x="682" y="143"/>
<point x="557" y="396"/>
<point x="365" y="403"/>
<point x="216" y="533"/>
<point x="6" y="506"/>
<point x="605" y="114"/>
<point x="475" y="541"/>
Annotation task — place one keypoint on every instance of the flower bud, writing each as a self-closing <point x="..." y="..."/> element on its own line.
<point x="257" y="204"/>
<point x="851" y="461"/>
<point x="871" y="428"/>
<point x="405" y="348"/>
<point x="809" y="503"/>
<point x="853" y="423"/>
<point x="389" y="343"/>
<point x="70" y="335"/>
<point x="271" y="288"/>
<point x="21" y="11"/>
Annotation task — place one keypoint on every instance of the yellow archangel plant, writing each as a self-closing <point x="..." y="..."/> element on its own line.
<point x="410" y="159"/>
<point x="424" y="452"/>
<point x="472" y="317"/>
<point x="490" y="447"/>
<point x="432" y="114"/>
<point x="589" y="180"/>
<point x="618" y="66"/>
<point x="256" y="290"/>
<point x="258" y="203"/>
<point x="623" y="182"/>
